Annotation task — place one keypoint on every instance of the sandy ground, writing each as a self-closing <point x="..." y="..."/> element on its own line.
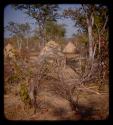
<point x="54" y="107"/>
<point x="51" y="106"/>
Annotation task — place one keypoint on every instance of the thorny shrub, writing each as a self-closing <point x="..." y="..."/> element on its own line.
<point x="24" y="95"/>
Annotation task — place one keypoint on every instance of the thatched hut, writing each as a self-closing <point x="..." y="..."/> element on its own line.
<point x="70" y="48"/>
<point x="9" y="51"/>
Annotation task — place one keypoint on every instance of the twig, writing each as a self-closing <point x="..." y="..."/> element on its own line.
<point x="83" y="88"/>
<point x="103" y="29"/>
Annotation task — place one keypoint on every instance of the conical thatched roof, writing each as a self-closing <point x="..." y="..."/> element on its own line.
<point x="9" y="50"/>
<point x="70" y="48"/>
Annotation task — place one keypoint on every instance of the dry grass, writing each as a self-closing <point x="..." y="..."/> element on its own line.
<point x="54" y="107"/>
<point x="51" y="106"/>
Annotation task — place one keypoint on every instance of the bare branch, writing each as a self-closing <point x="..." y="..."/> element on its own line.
<point x="103" y="29"/>
<point x="83" y="88"/>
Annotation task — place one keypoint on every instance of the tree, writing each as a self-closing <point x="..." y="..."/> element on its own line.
<point x="42" y="13"/>
<point x="20" y="31"/>
<point x="86" y="18"/>
<point x="55" y="31"/>
<point x="89" y="13"/>
<point x="93" y="20"/>
<point x="26" y="31"/>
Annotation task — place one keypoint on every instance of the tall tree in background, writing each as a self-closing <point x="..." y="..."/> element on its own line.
<point x="86" y="17"/>
<point x="42" y="13"/>
<point x="20" y="31"/>
<point x="89" y="14"/>
<point x="55" y="31"/>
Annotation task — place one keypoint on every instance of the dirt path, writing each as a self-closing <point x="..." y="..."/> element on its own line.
<point x="54" y="107"/>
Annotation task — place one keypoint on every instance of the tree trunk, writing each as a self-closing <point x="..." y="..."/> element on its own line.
<point x="27" y="44"/>
<point x="20" y="45"/>
<point x="90" y="24"/>
<point x="17" y="42"/>
<point x="42" y="34"/>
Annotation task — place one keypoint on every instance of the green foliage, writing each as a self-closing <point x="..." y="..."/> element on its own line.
<point x="79" y="15"/>
<point x="93" y="20"/>
<point x="24" y="95"/>
<point x="13" y="79"/>
<point x="100" y="16"/>
<point x="17" y="74"/>
<point x="54" y="30"/>
<point x="20" y="30"/>
<point x="41" y="13"/>
<point x="83" y="39"/>
<point x="29" y="73"/>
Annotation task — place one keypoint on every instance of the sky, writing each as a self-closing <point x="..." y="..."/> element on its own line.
<point x="19" y="16"/>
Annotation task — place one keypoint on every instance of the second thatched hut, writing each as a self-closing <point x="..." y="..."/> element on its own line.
<point x="70" y="48"/>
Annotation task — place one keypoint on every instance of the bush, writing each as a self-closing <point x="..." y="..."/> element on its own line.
<point x="24" y="95"/>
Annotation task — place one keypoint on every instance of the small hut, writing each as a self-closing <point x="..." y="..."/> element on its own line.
<point x="70" y="48"/>
<point x="9" y="51"/>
